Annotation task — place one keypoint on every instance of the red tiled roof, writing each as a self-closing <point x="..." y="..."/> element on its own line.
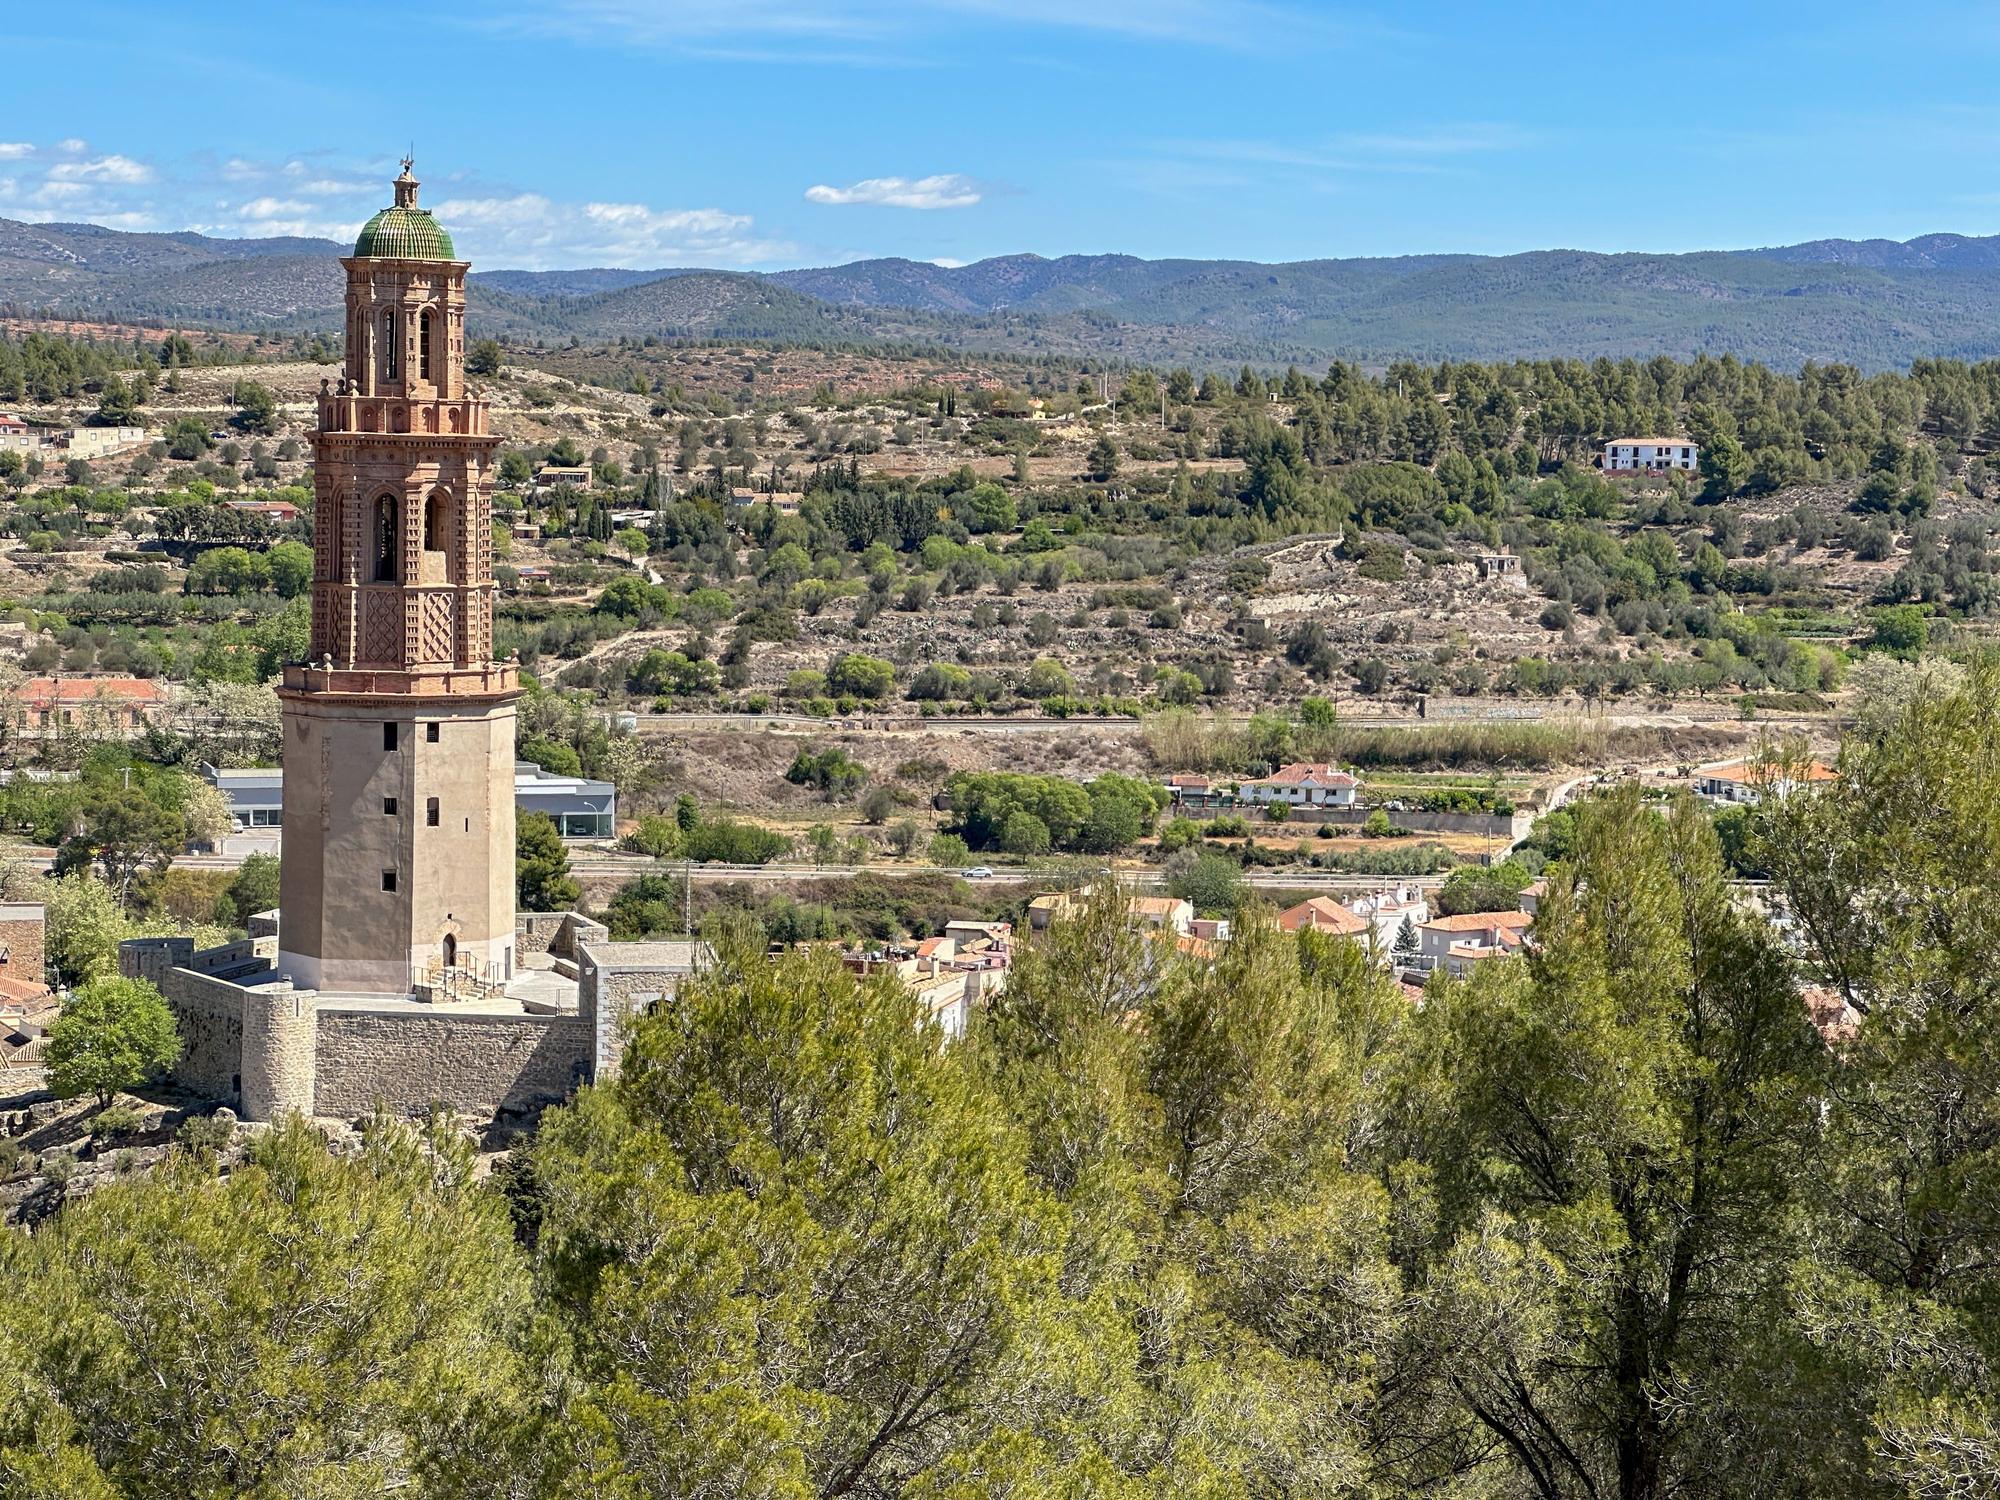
<point x="1321" y="914"/>
<point x="1480" y="921"/>
<point x="42" y="691"/>
<point x="1307" y="773"/>
<point x="1745" y="771"/>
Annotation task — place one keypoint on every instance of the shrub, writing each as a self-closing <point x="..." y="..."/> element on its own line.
<point x="832" y="771"/>
<point x="207" y="1134"/>
<point x="118" y="1119"/>
<point x="726" y="841"/>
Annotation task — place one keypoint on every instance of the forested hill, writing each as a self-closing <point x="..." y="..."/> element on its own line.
<point x="1875" y="303"/>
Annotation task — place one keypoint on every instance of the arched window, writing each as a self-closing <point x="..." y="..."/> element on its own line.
<point x="389" y="344"/>
<point x="386" y="539"/>
<point x="424" y="344"/>
<point x="437" y="522"/>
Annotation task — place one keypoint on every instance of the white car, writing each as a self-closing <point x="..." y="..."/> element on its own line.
<point x="978" y="872"/>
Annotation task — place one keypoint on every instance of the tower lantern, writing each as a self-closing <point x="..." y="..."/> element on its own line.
<point x="399" y="728"/>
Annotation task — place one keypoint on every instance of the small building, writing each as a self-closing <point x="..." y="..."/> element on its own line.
<point x="549" y="476"/>
<point x="1322" y="914"/>
<point x="1168" y="913"/>
<point x="525" y="531"/>
<point x="580" y="808"/>
<point x="1503" y="568"/>
<point x="1388" y="910"/>
<point x="23" y="973"/>
<point x="116" y="705"/>
<point x="1744" y="782"/>
<point x="256" y="797"/>
<point x="1303" y="784"/>
<point x="1457" y="944"/>
<point x="271" y="510"/>
<point x="1190" y="791"/>
<point x="100" y="442"/>
<point x="1650" y="455"/>
<point x="17" y="436"/>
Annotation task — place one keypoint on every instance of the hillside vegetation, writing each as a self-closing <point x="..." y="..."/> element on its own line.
<point x="1875" y="304"/>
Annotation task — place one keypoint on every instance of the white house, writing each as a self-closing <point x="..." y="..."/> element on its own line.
<point x="1386" y="911"/>
<point x="1639" y="455"/>
<point x="1745" y="782"/>
<point x="1303" y="784"/>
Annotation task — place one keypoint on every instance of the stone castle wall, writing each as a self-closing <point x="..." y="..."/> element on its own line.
<point x="210" y="1014"/>
<point x="268" y="1048"/>
<point x="478" y="1065"/>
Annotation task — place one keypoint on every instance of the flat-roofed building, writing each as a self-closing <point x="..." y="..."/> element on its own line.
<point x="1650" y="454"/>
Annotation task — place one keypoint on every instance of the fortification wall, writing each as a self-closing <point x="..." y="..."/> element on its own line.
<point x="210" y="1015"/>
<point x="561" y="934"/>
<point x="479" y="1065"/>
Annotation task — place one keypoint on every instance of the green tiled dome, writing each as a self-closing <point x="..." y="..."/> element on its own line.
<point x="404" y="234"/>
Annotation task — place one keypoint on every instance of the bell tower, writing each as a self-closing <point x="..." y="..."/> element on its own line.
<point x="398" y="873"/>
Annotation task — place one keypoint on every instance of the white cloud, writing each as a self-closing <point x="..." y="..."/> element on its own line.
<point x="72" y="146"/>
<point x="944" y="190"/>
<point x="119" y="169"/>
<point x="531" y="231"/>
<point x="273" y="208"/>
<point x="15" y="150"/>
<point x="946" y="263"/>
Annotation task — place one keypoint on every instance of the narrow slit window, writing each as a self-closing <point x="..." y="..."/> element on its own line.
<point x="388" y="807"/>
<point x="431" y="733"/>
<point x="424" y="344"/>
<point x="389" y="345"/>
<point x="389" y="736"/>
<point x="431" y="812"/>
<point x="388" y="880"/>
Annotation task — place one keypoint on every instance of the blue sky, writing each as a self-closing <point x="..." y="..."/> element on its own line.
<point x="766" y="133"/>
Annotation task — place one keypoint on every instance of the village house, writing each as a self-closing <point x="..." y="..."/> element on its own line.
<point x="17" y="436"/>
<point x="1168" y="913"/>
<point x="1650" y="455"/>
<point x="1744" y="782"/>
<point x="1303" y="784"/>
<point x="1456" y="944"/>
<point x="1191" y="792"/>
<point x="27" y="1005"/>
<point x="1386" y="911"/>
<point x="950" y="974"/>
<point x="271" y="510"/>
<point x="1322" y="914"/>
<point x="110" y="705"/>
<point x="549" y="476"/>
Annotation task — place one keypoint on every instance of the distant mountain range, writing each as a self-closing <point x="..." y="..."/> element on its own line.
<point x="1875" y="303"/>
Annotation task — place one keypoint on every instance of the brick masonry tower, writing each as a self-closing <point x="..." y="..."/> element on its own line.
<point x="398" y="870"/>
